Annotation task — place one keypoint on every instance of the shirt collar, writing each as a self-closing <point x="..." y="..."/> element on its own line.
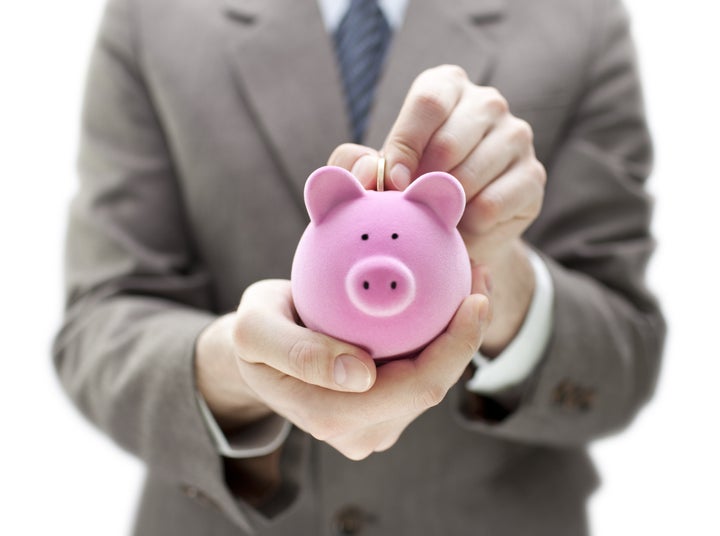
<point x="332" y="12"/>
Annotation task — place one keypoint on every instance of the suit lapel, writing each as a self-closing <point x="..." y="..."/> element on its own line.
<point x="435" y="32"/>
<point x="284" y="63"/>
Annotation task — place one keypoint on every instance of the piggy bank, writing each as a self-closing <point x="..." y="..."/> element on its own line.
<point x="385" y="271"/>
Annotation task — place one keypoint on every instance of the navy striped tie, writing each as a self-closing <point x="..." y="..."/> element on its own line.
<point x="361" y="41"/>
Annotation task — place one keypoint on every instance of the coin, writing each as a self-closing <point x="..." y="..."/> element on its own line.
<point x="381" y="174"/>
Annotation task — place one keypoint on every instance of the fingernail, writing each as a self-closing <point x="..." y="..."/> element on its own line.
<point x="365" y="168"/>
<point x="400" y="176"/>
<point x="351" y="373"/>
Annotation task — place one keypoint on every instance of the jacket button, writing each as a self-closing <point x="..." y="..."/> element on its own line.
<point x="350" y="520"/>
<point x="190" y="491"/>
<point x="573" y="396"/>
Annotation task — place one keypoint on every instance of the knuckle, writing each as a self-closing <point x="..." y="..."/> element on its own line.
<point x="324" y="428"/>
<point x="387" y="443"/>
<point x="540" y="173"/>
<point x="389" y="436"/>
<point x="469" y="174"/>
<point x="339" y="152"/>
<point x="429" y="104"/>
<point x="441" y="75"/>
<point x="355" y="453"/>
<point x="242" y="331"/>
<point x="453" y="71"/>
<point x="306" y="359"/>
<point x="360" y="448"/>
<point x="489" y="205"/>
<point x="522" y="132"/>
<point x="535" y="207"/>
<point x="405" y="147"/>
<point x="495" y="101"/>
<point x="534" y="211"/>
<point x="445" y="146"/>
<point x="430" y="396"/>
<point x="252" y="290"/>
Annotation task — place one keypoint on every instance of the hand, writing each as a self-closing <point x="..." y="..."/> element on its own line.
<point x="266" y="317"/>
<point x="347" y="402"/>
<point x="449" y="124"/>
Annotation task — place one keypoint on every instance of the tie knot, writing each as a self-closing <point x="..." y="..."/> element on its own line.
<point x="361" y="42"/>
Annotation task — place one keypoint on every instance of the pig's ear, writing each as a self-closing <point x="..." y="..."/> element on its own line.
<point x="442" y="193"/>
<point x="327" y="187"/>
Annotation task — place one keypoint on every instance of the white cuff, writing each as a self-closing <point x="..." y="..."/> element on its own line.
<point x="257" y="439"/>
<point x="524" y="352"/>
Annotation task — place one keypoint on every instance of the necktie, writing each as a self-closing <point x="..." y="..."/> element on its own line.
<point x="361" y="41"/>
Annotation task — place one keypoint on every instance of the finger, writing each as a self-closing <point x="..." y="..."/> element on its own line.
<point x="430" y="101"/>
<point x="517" y="194"/>
<point x="408" y="386"/>
<point x="347" y="154"/>
<point x="474" y="116"/>
<point x="265" y="332"/>
<point x="359" y="444"/>
<point x="359" y="160"/>
<point x="393" y="431"/>
<point x="507" y="142"/>
<point x="356" y="424"/>
<point x="402" y="388"/>
<point x="442" y="363"/>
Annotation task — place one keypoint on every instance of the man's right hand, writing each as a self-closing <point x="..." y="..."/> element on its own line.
<point x="258" y="360"/>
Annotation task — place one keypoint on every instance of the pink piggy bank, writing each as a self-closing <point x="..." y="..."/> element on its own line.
<point x="385" y="271"/>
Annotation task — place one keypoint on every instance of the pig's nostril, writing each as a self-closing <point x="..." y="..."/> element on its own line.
<point x="380" y="286"/>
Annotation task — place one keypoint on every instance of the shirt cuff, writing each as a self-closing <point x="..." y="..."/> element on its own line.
<point x="515" y="364"/>
<point x="256" y="439"/>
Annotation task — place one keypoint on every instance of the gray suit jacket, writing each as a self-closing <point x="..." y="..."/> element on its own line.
<point x="202" y="121"/>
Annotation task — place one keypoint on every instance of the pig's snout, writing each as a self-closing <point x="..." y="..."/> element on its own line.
<point x="380" y="286"/>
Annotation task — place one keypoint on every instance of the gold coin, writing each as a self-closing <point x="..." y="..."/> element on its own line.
<point x="381" y="174"/>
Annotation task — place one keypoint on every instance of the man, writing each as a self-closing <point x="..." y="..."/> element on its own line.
<point x="202" y="123"/>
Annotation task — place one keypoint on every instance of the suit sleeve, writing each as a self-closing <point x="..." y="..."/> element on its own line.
<point x="602" y="359"/>
<point x="136" y="294"/>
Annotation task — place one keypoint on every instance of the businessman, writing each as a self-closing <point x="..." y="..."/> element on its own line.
<point x="201" y="124"/>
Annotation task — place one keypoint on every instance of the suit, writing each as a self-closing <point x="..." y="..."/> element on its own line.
<point x="202" y="122"/>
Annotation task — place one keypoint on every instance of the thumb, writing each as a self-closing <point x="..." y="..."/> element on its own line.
<point x="402" y="153"/>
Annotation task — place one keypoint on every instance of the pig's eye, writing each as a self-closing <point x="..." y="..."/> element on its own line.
<point x="394" y="236"/>
<point x="365" y="236"/>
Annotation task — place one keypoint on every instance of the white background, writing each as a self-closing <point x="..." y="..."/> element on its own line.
<point x="58" y="474"/>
